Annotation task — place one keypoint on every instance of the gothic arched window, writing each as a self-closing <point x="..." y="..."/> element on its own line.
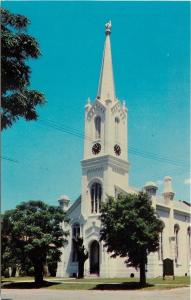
<point x="189" y="242"/>
<point x="98" y="127"/>
<point x="176" y="230"/>
<point x="116" y="128"/>
<point x="96" y="195"/>
<point x="75" y="235"/>
<point x="160" y="251"/>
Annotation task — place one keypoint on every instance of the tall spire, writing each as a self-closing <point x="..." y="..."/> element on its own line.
<point x="106" y="88"/>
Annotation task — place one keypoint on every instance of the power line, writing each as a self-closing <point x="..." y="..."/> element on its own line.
<point x="77" y="133"/>
<point x="9" y="159"/>
<point x="148" y="155"/>
<point x="133" y="150"/>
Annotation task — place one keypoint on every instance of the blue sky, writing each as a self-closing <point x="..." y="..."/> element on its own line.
<point x="150" y="48"/>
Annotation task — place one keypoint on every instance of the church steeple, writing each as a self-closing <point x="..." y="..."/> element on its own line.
<point x="106" y="117"/>
<point x="105" y="165"/>
<point x="106" y="88"/>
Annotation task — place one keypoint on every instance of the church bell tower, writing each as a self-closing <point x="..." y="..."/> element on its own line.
<point x="105" y="163"/>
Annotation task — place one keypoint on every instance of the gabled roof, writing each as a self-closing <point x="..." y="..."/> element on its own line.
<point x="76" y="203"/>
<point x="129" y="190"/>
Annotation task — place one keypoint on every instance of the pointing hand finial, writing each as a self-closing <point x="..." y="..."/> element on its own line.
<point x="108" y="27"/>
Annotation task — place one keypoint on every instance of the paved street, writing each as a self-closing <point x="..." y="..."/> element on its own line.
<point x="44" y="294"/>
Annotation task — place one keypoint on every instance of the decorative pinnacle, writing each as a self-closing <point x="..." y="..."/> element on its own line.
<point x="108" y="27"/>
<point x="88" y="104"/>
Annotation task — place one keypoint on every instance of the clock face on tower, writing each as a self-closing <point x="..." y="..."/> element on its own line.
<point x="117" y="149"/>
<point x="96" y="148"/>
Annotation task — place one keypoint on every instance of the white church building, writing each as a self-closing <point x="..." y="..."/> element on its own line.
<point x="105" y="171"/>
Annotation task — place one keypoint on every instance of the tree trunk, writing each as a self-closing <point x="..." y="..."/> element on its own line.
<point x="45" y="270"/>
<point x="82" y="255"/>
<point x="142" y="266"/>
<point x="81" y="269"/>
<point x="13" y="271"/>
<point x="38" y="273"/>
<point x="142" y="274"/>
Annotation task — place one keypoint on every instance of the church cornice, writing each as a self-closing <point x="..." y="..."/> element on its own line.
<point x="175" y="209"/>
<point x="182" y="212"/>
<point x="105" y="160"/>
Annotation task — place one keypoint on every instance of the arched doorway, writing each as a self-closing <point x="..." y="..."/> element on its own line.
<point x="94" y="258"/>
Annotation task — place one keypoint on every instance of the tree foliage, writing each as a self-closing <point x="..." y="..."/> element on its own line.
<point x="8" y="257"/>
<point x="33" y="232"/>
<point x="130" y="228"/>
<point x="82" y="255"/>
<point x="17" y="47"/>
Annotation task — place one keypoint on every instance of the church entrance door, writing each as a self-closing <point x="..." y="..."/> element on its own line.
<point x="94" y="258"/>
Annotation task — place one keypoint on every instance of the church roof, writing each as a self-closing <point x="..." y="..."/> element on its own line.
<point x="74" y="205"/>
<point x="129" y="190"/>
<point x="177" y="205"/>
<point x="180" y="205"/>
<point x="106" y="88"/>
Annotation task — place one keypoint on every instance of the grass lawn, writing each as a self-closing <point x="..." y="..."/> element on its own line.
<point x="23" y="278"/>
<point x="97" y="283"/>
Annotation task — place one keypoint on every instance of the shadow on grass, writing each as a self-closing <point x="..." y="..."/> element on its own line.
<point x="121" y="286"/>
<point x="27" y="285"/>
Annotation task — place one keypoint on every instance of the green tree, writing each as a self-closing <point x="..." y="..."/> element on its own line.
<point x="17" y="47"/>
<point x="8" y="259"/>
<point x="33" y="231"/>
<point x="52" y="261"/>
<point x="82" y="255"/>
<point x="130" y="228"/>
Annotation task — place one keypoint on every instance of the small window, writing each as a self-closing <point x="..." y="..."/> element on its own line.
<point x="75" y="234"/>
<point x="116" y="129"/>
<point x="160" y="251"/>
<point x="176" y="231"/>
<point x="98" y="127"/>
<point x="189" y="242"/>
